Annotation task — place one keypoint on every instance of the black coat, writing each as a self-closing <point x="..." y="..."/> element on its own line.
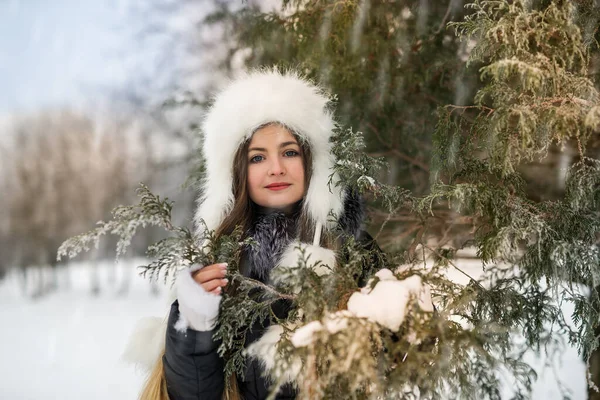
<point x="193" y="369"/>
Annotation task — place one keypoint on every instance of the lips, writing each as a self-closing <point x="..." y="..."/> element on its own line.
<point x="278" y="186"/>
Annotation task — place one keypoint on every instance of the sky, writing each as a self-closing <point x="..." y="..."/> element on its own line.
<point x="60" y="52"/>
<point x="76" y="53"/>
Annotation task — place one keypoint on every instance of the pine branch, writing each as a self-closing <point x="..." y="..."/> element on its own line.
<point x="150" y="211"/>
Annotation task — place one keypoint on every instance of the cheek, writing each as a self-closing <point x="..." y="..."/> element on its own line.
<point x="297" y="170"/>
<point x="254" y="178"/>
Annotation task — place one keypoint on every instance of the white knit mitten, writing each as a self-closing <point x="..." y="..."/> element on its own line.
<point x="198" y="309"/>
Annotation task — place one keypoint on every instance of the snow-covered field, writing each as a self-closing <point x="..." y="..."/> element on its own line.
<point x="68" y="345"/>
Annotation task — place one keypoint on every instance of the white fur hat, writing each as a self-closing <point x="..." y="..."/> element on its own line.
<point x="243" y="105"/>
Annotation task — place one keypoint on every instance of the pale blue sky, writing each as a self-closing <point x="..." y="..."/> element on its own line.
<point x="58" y="52"/>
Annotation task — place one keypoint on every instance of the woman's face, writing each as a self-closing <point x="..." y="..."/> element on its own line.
<point x="275" y="168"/>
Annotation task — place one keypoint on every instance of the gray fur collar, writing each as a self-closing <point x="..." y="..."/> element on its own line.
<point x="273" y="231"/>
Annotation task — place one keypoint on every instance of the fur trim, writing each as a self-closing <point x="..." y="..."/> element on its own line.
<point x="319" y="259"/>
<point x="147" y="340"/>
<point x="265" y="351"/>
<point x="146" y="343"/>
<point x="198" y="309"/>
<point x="271" y="233"/>
<point x="248" y="102"/>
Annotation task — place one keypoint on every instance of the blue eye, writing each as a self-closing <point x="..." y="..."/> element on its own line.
<point x="256" y="159"/>
<point x="291" y="153"/>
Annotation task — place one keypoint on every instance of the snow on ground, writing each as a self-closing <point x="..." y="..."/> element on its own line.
<point x="68" y="345"/>
<point x="565" y="373"/>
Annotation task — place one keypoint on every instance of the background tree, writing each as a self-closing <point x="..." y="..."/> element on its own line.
<point x="62" y="172"/>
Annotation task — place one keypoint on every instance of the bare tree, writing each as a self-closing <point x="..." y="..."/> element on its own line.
<point x="63" y="172"/>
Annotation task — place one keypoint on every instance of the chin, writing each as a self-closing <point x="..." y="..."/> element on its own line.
<point x="278" y="205"/>
<point x="276" y="201"/>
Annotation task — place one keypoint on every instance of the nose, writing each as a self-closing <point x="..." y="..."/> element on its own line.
<point x="276" y="167"/>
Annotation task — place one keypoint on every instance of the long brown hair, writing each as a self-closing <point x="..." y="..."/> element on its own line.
<point x="242" y="214"/>
<point x="155" y="387"/>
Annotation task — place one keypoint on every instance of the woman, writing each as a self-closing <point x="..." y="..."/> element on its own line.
<point x="269" y="170"/>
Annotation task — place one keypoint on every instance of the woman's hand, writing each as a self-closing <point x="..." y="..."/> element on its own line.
<point x="212" y="277"/>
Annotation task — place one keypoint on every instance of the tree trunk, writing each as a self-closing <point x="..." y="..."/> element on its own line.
<point x="594" y="393"/>
<point x="594" y="369"/>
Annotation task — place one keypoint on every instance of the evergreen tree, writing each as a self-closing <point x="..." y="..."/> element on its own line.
<point x="516" y="93"/>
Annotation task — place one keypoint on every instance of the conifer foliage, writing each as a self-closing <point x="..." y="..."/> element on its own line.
<point x="537" y="93"/>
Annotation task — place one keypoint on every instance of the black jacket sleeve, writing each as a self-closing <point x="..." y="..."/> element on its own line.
<point x="193" y="369"/>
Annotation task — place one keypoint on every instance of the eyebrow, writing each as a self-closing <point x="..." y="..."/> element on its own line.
<point x="284" y="144"/>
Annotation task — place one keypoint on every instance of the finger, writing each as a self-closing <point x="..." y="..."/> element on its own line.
<point x="213" y="284"/>
<point x="218" y="265"/>
<point x="217" y="291"/>
<point x="212" y="267"/>
<point x="206" y="275"/>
